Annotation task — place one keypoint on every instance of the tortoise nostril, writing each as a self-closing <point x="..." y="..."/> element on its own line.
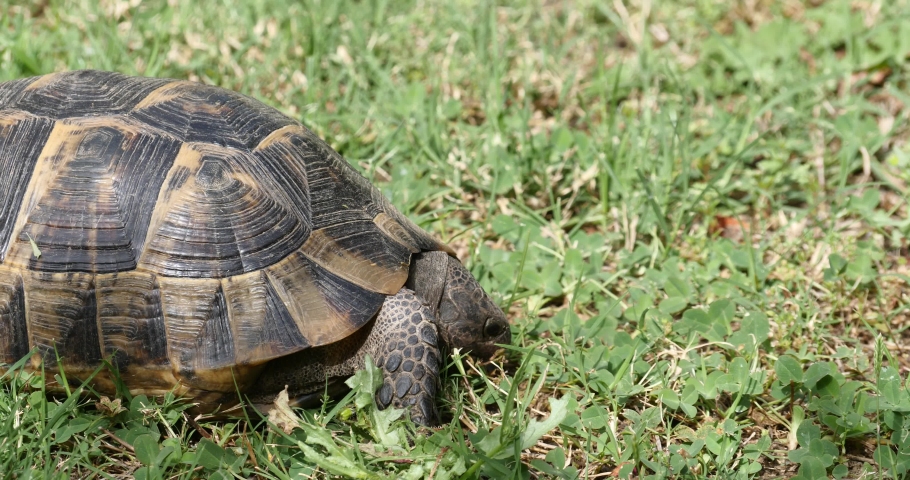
<point x="493" y="328"/>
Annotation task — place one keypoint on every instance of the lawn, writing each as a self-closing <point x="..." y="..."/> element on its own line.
<point x="695" y="213"/>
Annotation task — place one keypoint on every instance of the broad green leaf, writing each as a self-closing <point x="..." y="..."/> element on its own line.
<point x="840" y="471"/>
<point x="147" y="473"/>
<point x="675" y="287"/>
<point x="816" y="372"/>
<point x="669" y="398"/>
<point x="574" y="263"/>
<point x="364" y="383"/>
<point x="837" y="265"/>
<point x="812" y="469"/>
<point x="209" y="454"/>
<point x="862" y="268"/>
<point x="706" y="385"/>
<point x="827" y="385"/>
<point x="823" y="450"/>
<point x="333" y="464"/>
<point x="76" y="425"/>
<point x="673" y="305"/>
<point x="537" y="429"/>
<point x="335" y="458"/>
<point x="694" y="319"/>
<point x="806" y="433"/>
<point x="595" y="417"/>
<point x="885" y="456"/>
<point x="889" y="385"/>
<point x="753" y="330"/>
<point x="723" y="311"/>
<point x="788" y="370"/>
<point x="689" y="394"/>
<point x="382" y="426"/>
<point x="146" y="448"/>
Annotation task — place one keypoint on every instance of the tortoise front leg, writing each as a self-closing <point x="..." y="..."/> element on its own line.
<point x="402" y="341"/>
<point x="406" y="348"/>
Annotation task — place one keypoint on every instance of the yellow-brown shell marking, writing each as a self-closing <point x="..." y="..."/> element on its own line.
<point x="186" y="233"/>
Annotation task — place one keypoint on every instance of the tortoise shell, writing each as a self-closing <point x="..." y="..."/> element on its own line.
<point x="186" y="233"/>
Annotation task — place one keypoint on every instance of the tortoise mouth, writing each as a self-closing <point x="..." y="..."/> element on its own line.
<point x="474" y="341"/>
<point x="491" y="344"/>
<point x="486" y="350"/>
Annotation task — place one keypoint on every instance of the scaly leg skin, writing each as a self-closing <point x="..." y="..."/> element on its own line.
<point x="407" y="351"/>
<point x="402" y="341"/>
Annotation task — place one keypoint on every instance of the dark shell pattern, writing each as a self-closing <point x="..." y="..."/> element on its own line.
<point x="188" y="234"/>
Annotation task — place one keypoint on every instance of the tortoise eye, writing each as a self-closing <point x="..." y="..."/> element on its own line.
<point x="493" y="328"/>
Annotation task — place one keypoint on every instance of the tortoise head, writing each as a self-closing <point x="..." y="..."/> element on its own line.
<point x="466" y="316"/>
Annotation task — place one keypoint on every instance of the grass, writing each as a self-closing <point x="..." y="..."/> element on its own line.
<point x="695" y="213"/>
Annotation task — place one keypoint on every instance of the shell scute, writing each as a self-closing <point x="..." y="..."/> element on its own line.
<point x="22" y="138"/>
<point x="131" y="321"/>
<point x="263" y="328"/>
<point x="82" y="93"/>
<point x="198" y="327"/>
<point x="132" y="328"/>
<point x="325" y="307"/>
<point x="91" y="197"/>
<point x="221" y="214"/>
<point x="201" y="113"/>
<point x="14" y="342"/>
<point x="62" y="314"/>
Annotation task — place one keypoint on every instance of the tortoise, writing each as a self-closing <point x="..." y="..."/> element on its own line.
<point x="203" y="243"/>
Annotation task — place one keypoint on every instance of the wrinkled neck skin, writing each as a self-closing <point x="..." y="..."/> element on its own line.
<point x="466" y="317"/>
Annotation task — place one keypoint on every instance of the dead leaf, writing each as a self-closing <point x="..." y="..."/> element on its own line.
<point x="108" y="407"/>
<point x="729" y="227"/>
<point x="281" y="415"/>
